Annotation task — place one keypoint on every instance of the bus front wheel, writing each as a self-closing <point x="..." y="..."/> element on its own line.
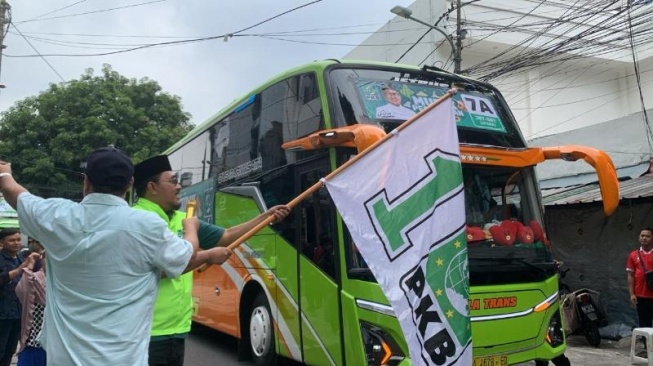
<point x="261" y="335"/>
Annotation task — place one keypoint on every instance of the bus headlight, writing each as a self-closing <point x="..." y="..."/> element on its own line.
<point x="380" y="348"/>
<point x="554" y="334"/>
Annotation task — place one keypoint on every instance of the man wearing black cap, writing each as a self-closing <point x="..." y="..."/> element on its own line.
<point x="104" y="263"/>
<point x="158" y="190"/>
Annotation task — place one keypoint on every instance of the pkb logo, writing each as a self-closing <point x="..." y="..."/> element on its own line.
<point x="436" y="287"/>
<point x="395" y="218"/>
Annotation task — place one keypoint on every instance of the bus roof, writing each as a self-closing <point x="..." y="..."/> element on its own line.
<point x="312" y="66"/>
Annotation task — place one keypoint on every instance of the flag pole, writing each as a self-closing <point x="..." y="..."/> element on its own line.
<point x="312" y="189"/>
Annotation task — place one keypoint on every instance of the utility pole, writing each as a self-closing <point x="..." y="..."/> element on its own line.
<point x="457" y="57"/>
<point x="3" y="16"/>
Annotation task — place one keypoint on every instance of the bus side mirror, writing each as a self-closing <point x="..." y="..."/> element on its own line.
<point x="360" y="136"/>
<point x="608" y="182"/>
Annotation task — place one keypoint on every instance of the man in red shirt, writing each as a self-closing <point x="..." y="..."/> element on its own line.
<point x="640" y="261"/>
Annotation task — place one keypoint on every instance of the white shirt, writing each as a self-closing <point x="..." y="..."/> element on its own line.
<point x="391" y="111"/>
<point x="103" y="261"/>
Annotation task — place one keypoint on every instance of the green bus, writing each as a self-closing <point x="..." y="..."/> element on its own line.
<point x="300" y="289"/>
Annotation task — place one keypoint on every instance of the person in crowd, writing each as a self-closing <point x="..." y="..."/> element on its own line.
<point x="393" y="108"/>
<point x="327" y="260"/>
<point x="31" y="293"/>
<point x="11" y="268"/>
<point x="34" y="246"/>
<point x="320" y="248"/>
<point x="639" y="261"/>
<point x="158" y="190"/>
<point x="104" y="261"/>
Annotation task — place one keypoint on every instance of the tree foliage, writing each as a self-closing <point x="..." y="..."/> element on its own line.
<point x="47" y="137"/>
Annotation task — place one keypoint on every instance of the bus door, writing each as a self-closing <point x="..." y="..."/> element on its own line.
<point x="318" y="264"/>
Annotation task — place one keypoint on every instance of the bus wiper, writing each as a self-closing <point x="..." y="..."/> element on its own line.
<point x="514" y="259"/>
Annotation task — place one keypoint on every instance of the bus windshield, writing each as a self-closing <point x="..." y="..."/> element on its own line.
<point x="504" y="218"/>
<point x="506" y="240"/>
<point x="505" y="236"/>
<point x="386" y="98"/>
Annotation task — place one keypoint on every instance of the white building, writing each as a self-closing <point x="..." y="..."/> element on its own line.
<point x="562" y="65"/>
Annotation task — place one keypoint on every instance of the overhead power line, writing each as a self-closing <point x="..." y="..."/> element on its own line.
<point x="276" y="16"/>
<point x="647" y="124"/>
<point x="59" y="9"/>
<point x="285" y="32"/>
<point x="583" y="29"/>
<point x="37" y="52"/>
<point x="172" y="43"/>
<point x="90" y="12"/>
<point x="604" y="33"/>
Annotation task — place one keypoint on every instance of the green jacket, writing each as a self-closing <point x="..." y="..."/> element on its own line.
<point x="173" y="308"/>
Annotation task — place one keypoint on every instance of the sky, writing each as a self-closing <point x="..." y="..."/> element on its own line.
<point x="206" y="75"/>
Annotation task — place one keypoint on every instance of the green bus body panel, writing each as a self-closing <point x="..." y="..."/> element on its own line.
<point x="353" y="315"/>
<point x="287" y="305"/>
<point x="522" y="327"/>
<point x="355" y="353"/>
<point x="231" y="210"/>
<point x="264" y="247"/>
<point x="520" y="338"/>
<point x="320" y="314"/>
<point x="319" y="324"/>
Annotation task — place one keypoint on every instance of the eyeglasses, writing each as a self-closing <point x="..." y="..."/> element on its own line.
<point x="174" y="181"/>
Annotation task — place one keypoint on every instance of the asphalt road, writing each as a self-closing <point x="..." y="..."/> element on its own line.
<point x="208" y="347"/>
<point x="609" y="353"/>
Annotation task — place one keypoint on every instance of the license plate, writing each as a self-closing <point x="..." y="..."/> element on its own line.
<point x="491" y="361"/>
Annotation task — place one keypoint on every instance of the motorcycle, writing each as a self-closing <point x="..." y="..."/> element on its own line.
<point x="563" y="289"/>
<point x="583" y="313"/>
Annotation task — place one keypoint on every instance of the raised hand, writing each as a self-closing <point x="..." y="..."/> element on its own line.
<point x="5" y="167"/>
<point x="280" y="212"/>
<point x="30" y="261"/>
<point x="191" y="224"/>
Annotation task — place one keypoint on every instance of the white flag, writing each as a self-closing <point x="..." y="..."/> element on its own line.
<point x="404" y="206"/>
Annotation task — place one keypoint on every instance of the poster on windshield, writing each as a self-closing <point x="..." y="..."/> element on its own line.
<point x="400" y="100"/>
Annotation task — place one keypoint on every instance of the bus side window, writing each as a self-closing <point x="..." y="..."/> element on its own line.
<point x="478" y="199"/>
<point x="357" y="260"/>
<point x="290" y="109"/>
<point x="309" y="109"/>
<point x="324" y="256"/>
<point x="269" y="147"/>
